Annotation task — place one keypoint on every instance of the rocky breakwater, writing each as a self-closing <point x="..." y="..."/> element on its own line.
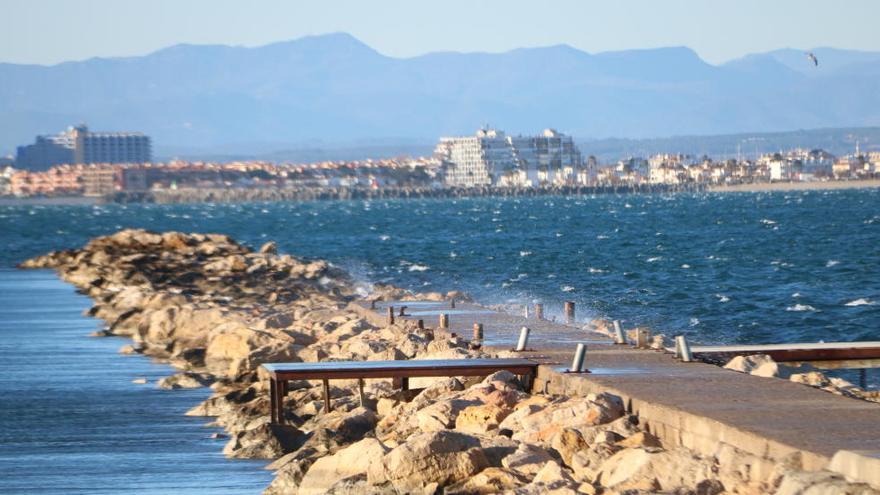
<point x="216" y="310"/>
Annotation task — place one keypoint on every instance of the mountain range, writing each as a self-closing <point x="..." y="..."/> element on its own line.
<point x="333" y="90"/>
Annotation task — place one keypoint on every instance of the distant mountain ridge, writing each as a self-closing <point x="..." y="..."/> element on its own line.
<point x="330" y="89"/>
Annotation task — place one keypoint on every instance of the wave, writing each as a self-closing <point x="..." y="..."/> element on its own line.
<point x="832" y="263"/>
<point x="862" y="301"/>
<point x="801" y="307"/>
<point x="525" y="253"/>
<point x="722" y="298"/>
<point x="654" y="258"/>
<point x="596" y="270"/>
<point x="567" y="288"/>
<point x="685" y="266"/>
<point x="767" y="221"/>
<point x="384" y="237"/>
<point x="419" y="268"/>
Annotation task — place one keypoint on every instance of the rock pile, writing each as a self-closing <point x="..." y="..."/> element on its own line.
<point x="216" y="310"/>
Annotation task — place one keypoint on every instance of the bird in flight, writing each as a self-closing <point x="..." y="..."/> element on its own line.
<point x="812" y="57"/>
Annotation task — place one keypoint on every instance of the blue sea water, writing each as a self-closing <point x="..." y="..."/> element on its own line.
<point x="720" y="268"/>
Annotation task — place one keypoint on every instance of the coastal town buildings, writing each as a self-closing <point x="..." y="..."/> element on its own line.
<point x="79" y="145"/>
<point x="491" y="158"/>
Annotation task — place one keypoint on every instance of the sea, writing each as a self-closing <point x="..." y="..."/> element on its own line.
<point x="768" y="267"/>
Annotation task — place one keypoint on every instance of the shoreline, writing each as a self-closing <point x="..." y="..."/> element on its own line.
<point x="797" y="186"/>
<point x="216" y="310"/>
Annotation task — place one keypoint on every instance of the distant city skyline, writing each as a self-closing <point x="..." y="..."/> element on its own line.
<point x="54" y="31"/>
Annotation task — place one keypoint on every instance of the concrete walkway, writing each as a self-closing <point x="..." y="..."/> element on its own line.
<point x="696" y="405"/>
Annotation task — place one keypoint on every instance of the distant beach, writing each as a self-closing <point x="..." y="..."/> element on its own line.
<point x="797" y="186"/>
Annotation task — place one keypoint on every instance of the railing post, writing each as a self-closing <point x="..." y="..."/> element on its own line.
<point x="683" y="349"/>
<point x="619" y="336"/>
<point x="577" y="364"/>
<point x="523" y="339"/>
<point x="539" y="311"/>
<point x="478" y="331"/>
<point x="569" y="311"/>
<point x="391" y="315"/>
<point x="444" y="320"/>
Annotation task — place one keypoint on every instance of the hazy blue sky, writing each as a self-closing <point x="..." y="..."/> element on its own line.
<point x="45" y="32"/>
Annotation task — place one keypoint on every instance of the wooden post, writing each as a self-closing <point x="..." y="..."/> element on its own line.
<point x="402" y="311"/>
<point x="452" y="303"/>
<point x="361" y="395"/>
<point x="421" y="324"/>
<point x="539" y="311"/>
<point x="478" y="332"/>
<point x="444" y="320"/>
<point x="404" y="383"/>
<point x="391" y="315"/>
<point x="326" y="395"/>
<point x="273" y="401"/>
<point x="569" y="311"/>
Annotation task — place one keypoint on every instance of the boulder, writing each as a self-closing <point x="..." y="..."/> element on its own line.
<point x="757" y="364"/>
<point x="654" y="469"/>
<point x="442" y="457"/>
<point x="347" y="462"/>
<point x="264" y="442"/>
<point x="527" y="459"/>
<point x="481" y="418"/>
<point x="489" y="480"/>
<point x="185" y="380"/>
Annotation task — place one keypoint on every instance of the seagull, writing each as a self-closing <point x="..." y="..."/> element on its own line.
<point x="812" y="57"/>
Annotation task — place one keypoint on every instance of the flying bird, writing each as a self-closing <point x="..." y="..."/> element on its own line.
<point x="812" y="57"/>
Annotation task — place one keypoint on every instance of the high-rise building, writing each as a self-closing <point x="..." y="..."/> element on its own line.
<point x="79" y="145"/>
<point x="490" y="158"/>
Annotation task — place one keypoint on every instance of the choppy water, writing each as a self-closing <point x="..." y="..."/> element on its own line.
<point x="756" y="268"/>
<point x="768" y="267"/>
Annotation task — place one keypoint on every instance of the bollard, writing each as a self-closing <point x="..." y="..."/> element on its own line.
<point x="478" y="331"/>
<point x="523" y="339"/>
<point x="421" y="324"/>
<point x="681" y="344"/>
<point x="569" y="311"/>
<point x="391" y="315"/>
<point x="444" y="320"/>
<point x="577" y="364"/>
<point x="642" y="337"/>
<point x="402" y="311"/>
<point x="525" y="311"/>
<point x="452" y="303"/>
<point x="619" y="336"/>
<point x="677" y="347"/>
<point x="539" y="311"/>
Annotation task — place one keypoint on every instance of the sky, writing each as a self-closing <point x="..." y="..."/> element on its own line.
<point x="53" y="31"/>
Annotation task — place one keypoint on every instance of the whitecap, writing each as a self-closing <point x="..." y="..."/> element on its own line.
<point x="525" y="253"/>
<point x="600" y="237"/>
<point x="654" y="258"/>
<point x="419" y="268"/>
<point x="694" y="322"/>
<point x="831" y="263"/>
<point x="862" y="301"/>
<point x="722" y="298"/>
<point x="453" y="254"/>
<point x="766" y="221"/>
<point x="796" y="294"/>
<point x="384" y="237"/>
<point x="596" y="270"/>
<point x="685" y="266"/>
<point x="800" y="307"/>
<point x="567" y="288"/>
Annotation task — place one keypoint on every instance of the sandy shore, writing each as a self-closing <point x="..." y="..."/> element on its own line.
<point x="798" y="186"/>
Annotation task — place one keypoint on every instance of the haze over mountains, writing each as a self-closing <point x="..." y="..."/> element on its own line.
<point x="333" y="90"/>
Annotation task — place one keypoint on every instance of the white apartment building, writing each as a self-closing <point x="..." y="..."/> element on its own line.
<point x="490" y="158"/>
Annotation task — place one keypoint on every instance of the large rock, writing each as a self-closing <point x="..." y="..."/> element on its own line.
<point x="757" y="364"/>
<point x="350" y="461"/>
<point x="442" y="457"/>
<point x="654" y="469"/>
<point x="490" y="480"/>
<point x="527" y="459"/>
<point x="264" y="442"/>
<point x="235" y="348"/>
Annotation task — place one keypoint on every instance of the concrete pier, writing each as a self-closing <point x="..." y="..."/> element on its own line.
<point x="695" y="405"/>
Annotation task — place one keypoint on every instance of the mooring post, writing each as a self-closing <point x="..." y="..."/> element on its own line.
<point x="523" y="339"/>
<point x="361" y="395"/>
<point x="569" y="311"/>
<point x="683" y="348"/>
<point x="539" y="311"/>
<point x="577" y="364"/>
<point x="478" y="332"/>
<point x="525" y="311"/>
<point x="452" y="303"/>
<point x="619" y="336"/>
<point x="642" y="336"/>
<point x="421" y="324"/>
<point x="444" y="320"/>
<point x="391" y="315"/>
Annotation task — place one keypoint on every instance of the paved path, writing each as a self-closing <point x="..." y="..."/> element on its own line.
<point x="694" y="404"/>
